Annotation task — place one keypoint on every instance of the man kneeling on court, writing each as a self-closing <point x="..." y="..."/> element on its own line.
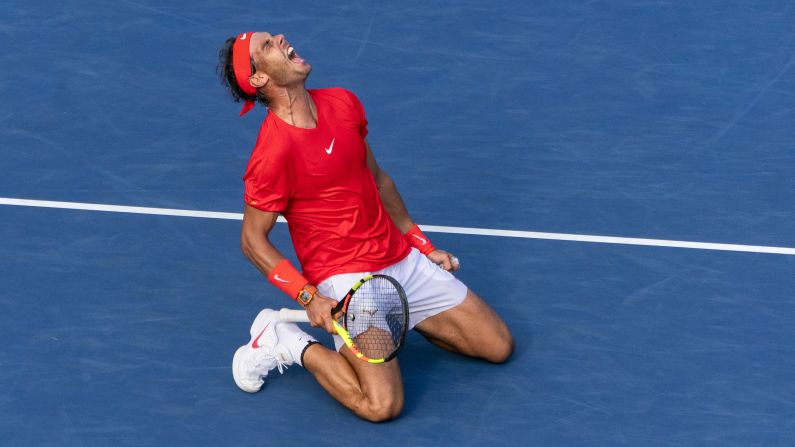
<point x="312" y="164"/>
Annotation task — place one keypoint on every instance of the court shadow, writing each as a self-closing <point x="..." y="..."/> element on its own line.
<point x="431" y="373"/>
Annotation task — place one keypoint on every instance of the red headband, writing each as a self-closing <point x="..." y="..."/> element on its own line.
<point x="241" y="63"/>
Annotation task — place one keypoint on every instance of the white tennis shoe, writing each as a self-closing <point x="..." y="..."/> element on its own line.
<point x="273" y="344"/>
<point x="253" y="361"/>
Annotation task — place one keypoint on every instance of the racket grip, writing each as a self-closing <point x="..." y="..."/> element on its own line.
<point x="294" y="316"/>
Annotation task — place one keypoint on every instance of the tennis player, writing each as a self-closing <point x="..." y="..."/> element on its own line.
<point x="313" y="165"/>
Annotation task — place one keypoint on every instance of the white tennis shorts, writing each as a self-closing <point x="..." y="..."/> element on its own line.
<point x="429" y="288"/>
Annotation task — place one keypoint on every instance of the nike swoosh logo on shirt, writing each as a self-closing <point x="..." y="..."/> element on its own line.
<point x="424" y="241"/>
<point x="254" y="343"/>
<point x="276" y="277"/>
<point x="330" y="148"/>
<point x="243" y="37"/>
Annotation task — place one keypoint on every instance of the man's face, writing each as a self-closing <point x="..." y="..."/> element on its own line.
<point x="276" y="58"/>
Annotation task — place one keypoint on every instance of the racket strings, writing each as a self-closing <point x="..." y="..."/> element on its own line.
<point x="376" y="318"/>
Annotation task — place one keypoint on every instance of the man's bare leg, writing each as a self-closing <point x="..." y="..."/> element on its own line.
<point x="372" y="391"/>
<point x="472" y="328"/>
<point x="375" y="392"/>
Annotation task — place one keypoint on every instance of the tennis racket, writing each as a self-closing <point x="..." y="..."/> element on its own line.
<point x="372" y="318"/>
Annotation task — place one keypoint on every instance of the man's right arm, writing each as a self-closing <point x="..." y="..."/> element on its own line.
<point x="254" y="243"/>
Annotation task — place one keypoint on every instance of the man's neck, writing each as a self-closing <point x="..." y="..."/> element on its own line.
<point x="294" y="106"/>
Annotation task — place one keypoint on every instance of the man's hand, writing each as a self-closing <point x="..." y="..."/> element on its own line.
<point x="319" y="312"/>
<point x="444" y="260"/>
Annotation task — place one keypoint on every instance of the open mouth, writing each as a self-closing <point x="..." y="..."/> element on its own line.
<point x="293" y="56"/>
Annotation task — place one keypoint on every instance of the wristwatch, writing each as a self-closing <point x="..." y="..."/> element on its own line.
<point x="306" y="294"/>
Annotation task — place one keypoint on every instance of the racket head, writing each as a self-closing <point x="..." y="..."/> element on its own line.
<point x="373" y="318"/>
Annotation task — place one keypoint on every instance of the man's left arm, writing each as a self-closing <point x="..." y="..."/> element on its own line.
<point x="396" y="208"/>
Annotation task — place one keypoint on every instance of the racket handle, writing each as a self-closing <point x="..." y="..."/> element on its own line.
<point x="294" y="316"/>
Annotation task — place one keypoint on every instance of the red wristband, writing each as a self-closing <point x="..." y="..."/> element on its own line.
<point x="286" y="277"/>
<point x="418" y="240"/>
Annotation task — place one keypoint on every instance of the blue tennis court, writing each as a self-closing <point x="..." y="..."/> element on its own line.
<point x="625" y="119"/>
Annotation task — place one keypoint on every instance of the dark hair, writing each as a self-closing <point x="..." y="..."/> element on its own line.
<point x="227" y="73"/>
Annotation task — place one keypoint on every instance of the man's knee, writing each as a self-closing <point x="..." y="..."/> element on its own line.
<point x="501" y="349"/>
<point x="498" y="338"/>
<point x="381" y="410"/>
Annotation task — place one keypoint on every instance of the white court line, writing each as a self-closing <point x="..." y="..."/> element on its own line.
<point x="428" y="228"/>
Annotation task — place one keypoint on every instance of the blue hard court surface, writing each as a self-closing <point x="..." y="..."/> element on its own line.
<point x="664" y="120"/>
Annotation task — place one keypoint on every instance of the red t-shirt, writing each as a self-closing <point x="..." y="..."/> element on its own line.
<point x="319" y="180"/>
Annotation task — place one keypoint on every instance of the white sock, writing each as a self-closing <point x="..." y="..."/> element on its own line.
<point x="294" y="339"/>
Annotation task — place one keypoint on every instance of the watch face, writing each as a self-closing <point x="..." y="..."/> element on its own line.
<point x="304" y="296"/>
